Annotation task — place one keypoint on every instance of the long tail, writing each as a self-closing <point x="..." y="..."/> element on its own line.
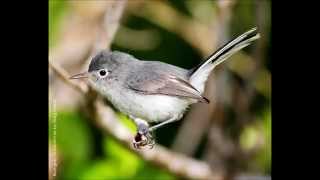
<point x="199" y="74"/>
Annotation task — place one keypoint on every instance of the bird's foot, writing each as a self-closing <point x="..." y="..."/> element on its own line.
<point x="143" y="139"/>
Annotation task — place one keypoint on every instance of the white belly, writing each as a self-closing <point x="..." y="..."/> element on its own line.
<point x="152" y="108"/>
<point x="156" y="108"/>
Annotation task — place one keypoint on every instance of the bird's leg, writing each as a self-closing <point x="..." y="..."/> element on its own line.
<point x="143" y="136"/>
<point x="173" y="119"/>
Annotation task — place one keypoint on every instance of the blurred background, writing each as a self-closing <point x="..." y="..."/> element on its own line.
<point x="232" y="134"/>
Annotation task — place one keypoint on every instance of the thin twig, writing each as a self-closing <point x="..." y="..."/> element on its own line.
<point x="65" y="77"/>
<point x="108" y="27"/>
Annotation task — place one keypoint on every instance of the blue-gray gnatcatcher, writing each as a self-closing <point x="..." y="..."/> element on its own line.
<point x="152" y="91"/>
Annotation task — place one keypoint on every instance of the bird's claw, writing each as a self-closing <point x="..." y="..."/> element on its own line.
<point x="142" y="140"/>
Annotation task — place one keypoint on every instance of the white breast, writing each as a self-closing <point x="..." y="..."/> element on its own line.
<point x="157" y="108"/>
<point x="152" y="108"/>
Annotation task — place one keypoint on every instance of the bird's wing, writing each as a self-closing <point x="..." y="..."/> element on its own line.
<point x="163" y="83"/>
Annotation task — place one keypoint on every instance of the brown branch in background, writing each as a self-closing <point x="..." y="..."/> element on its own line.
<point x="243" y="95"/>
<point x="65" y="77"/>
<point x="108" y="27"/>
<point x="200" y="116"/>
<point x="76" y="37"/>
<point x="110" y="23"/>
<point x="88" y="27"/>
<point x="198" y="119"/>
<point x="192" y="120"/>
<point x="197" y="34"/>
<point x="220" y="148"/>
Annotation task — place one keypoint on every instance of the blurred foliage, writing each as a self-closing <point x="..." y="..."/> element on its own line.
<point x="142" y="38"/>
<point x="74" y="141"/>
<point x="57" y="10"/>
<point x="169" y="44"/>
<point x="260" y="132"/>
<point x="264" y="158"/>
<point x="127" y="122"/>
<point x="120" y="163"/>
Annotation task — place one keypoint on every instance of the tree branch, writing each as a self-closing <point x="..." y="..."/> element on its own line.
<point x="108" y="27"/>
<point x="65" y="77"/>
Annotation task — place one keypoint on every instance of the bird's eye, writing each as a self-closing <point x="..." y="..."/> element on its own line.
<point x="102" y="72"/>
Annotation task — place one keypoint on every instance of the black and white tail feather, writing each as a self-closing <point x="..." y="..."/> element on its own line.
<point x="199" y="74"/>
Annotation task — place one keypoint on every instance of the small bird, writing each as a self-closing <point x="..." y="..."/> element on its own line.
<point x="152" y="91"/>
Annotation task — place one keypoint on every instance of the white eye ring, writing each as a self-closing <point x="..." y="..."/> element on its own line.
<point x="103" y="73"/>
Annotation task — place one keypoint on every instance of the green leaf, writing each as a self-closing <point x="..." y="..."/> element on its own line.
<point x="127" y="161"/>
<point x="74" y="142"/>
<point x="102" y="169"/>
<point x="148" y="171"/>
<point x="264" y="158"/>
<point x="127" y="122"/>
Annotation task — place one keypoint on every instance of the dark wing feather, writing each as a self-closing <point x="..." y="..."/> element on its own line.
<point x="165" y="84"/>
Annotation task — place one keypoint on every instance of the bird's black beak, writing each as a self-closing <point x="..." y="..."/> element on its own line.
<point x="80" y="76"/>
